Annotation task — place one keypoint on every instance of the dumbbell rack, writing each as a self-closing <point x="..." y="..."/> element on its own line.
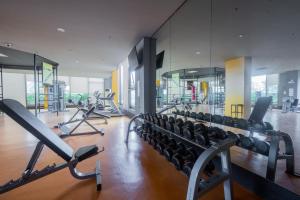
<point x="274" y="155"/>
<point x="197" y="187"/>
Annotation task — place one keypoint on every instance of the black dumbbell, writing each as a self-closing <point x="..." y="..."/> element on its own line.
<point x="178" y="126"/>
<point x="228" y="121"/>
<point x="246" y="142"/>
<point x="148" y="117"/>
<point x="207" y="117"/>
<point x="234" y="136"/>
<point x="177" y="112"/>
<point x="155" y="138"/>
<point x="163" y="144"/>
<point x="139" y="130"/>
<point x="261" y="147"/>
<point x="151" y="134"/>
<point x="187" y="168"/>
<point x="200" y="116"/>
<point x="156" y="120"/>
<point x="170" y="151"/>
<point x="193" y="115"/>
<point x="209" y="168"/>
<point x="187" y="113"/>
<point x="241" y="124"/>
<point x="151" y="118"/>
<point x="146" y="131"/>
<point x="182" y="113"/>
<point x="170" y="124"/>
<point x="163" y="121"/>
<point x="160" y="140"/>
<point x="188" y="130"/>
<point x="201" y="134"/>
<point x="268" y="126"/>
<point x="179" y="159"/>
<point x="218" y="119"/>
<point x="217" y="133"/>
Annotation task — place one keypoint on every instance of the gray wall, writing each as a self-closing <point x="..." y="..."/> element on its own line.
<point x="284" y="85"/>
<point x="145" y="75"/>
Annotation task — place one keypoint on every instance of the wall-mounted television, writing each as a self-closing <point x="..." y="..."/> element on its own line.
<point x="140" y="51"/>
<point x="160" y="60"/>
<point x="47" y="74"/>
<point x="133" y="59"/>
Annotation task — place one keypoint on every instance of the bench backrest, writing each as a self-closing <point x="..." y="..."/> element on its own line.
<point x="28" y="121"/>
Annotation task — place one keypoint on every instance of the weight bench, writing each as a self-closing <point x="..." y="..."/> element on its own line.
<point x="47" y="138"/>
<point x="87" y="114"/>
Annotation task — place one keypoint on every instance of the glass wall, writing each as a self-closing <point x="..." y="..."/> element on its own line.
<point x="184" y="38"/>
<point x="265" y="85"/>
<point x="76" y="88"/>
<point x="209" y="33"/>
<point x="66" y="80"/>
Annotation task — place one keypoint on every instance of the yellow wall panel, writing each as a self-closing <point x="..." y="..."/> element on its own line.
<point x="115" y="85"/>
<point x="234" y="80"/>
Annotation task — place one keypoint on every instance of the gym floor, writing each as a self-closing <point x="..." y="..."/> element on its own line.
<point x="135" y="171"/>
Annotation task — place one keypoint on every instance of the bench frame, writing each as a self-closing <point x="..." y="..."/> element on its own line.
<point x="30" y="174"/>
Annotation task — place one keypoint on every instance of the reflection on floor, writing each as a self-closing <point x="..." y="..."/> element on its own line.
<point x="130" y="172"/>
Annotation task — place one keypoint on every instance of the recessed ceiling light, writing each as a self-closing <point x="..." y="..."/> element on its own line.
<point x="76" y="61"/>
<point x="241" y="35"/>
<point x="198" y="52"/>
<point x="191" y="72"/>
<point x="61" y="30"/>
<point x="3" y="55"/>
<point x="8" y="44"/>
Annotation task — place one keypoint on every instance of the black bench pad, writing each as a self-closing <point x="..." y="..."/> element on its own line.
<point x="86" y="152"/>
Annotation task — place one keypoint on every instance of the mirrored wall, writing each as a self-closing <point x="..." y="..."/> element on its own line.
<point x="256" y="45"/>
<point x="211" y="33"/>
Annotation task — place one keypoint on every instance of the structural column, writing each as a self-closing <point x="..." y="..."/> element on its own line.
<point x="238" y="84"/>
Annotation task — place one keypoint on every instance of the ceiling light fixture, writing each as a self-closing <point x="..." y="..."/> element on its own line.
<point x="61" y="30"/>
<point x="192" y="72"/>
<point x="198" y="52"/>
<point x="76" y="61"/>
<point x="8" y="44"/>
<point x="241" y="35"/>
<point x="3" y="55"/>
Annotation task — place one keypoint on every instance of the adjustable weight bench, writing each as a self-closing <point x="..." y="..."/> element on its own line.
<point x="47" y="138"/>
<point x="87" y="114"/>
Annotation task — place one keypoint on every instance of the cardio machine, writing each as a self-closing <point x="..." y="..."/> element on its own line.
<point x="106" y="105"/>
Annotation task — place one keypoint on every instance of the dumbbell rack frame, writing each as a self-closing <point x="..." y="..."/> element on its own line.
<point x="198" y="187"/>
<point x="274" y="155"/>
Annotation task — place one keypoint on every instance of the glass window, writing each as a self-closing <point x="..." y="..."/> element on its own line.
<point x="258" y="87"/>
<point x="79" y="88"/>
<point x="29" y="89"/>
<point x="96" y="85"/>
<point x="66" y="79"/>
<point x="132" y="90"/>
<point x="121" y="83"/>
<point x="272" y="87"/>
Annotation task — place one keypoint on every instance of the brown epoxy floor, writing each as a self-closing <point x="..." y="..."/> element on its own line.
<point x="135" y="171"/>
